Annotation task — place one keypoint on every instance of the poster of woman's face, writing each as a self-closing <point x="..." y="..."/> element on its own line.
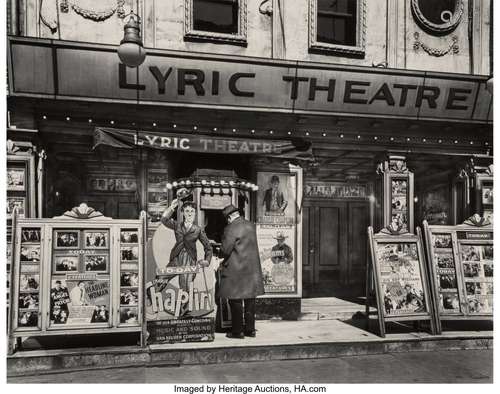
<point x="96" y="239"/>
<point x="28" y="300"/>
<point x="488" y="270"/>
<point x="128" y="315"/>
<point x="66" y="263"/>
<point x="30" y="253"/>
<point x="29" y="282"/>
<point x="442" y="241"/>
<point x="16" y="179"/>
<point x="66" y="239"/>
<point x="129" y="253"/>
<point x="28" y="319"/>
<point x="276" y="197"/>
<point x="15" y="202"/>
<point x="471" y="253"/>
<point x="127" y="236"/>
<point x="471" y="270"/>
<point x="487" y="194"/>
<point x="487" y="252"/>
<point x="129" y="279"/>
<point x="30" y="235"/>
<point x="100" y="314"/>
<point x="129" y="297"/>
<point x="96" y="263"/>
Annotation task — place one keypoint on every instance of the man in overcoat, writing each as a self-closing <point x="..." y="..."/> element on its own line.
<point x="241" y="272"/>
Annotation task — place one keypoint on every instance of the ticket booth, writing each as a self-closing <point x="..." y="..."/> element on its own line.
<point x="212" y="190"/>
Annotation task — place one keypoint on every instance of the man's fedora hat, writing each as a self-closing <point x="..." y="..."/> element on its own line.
<point x="229" y="210"/>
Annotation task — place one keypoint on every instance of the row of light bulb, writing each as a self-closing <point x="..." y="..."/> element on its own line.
<point x="188" y="183"/>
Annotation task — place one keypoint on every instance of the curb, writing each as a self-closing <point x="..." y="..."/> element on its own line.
<point x="50" y="362"/>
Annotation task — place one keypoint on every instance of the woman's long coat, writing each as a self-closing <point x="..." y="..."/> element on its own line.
<point x="241" y="272"/>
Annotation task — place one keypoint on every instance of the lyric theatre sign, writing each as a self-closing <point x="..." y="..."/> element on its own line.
<point x="92" y="72"/>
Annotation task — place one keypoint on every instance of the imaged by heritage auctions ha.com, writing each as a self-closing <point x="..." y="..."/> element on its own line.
<point x="227" y="181"/>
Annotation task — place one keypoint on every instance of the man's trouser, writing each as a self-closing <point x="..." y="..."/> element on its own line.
<point x="237" y="307"/>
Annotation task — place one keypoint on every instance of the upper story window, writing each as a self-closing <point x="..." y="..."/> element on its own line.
<point x="337" y="26"/>
<point x="216" y="20"/>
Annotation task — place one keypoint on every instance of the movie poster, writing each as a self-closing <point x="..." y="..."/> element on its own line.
<point x="399" y="202"/>
<point x="180" y="299"/>
<point x="446" y="276"/>
<point x="276" y="198"/>
<point x="79" y="299"/>
<point x="477" y="266"/>
<point x="400" y="279"/>
<point x="157" y="194"/>
<point x="276" y="231"/>
<point x="277" y="256"/>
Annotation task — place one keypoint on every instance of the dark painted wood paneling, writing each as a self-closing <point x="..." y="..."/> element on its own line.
<point x="335" y="247"/>
<point x="329" y="236"/>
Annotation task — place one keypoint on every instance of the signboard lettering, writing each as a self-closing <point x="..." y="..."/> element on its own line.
<point x="90" y="72"/>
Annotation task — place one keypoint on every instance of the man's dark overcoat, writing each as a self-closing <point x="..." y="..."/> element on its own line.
<point x="241" y="273"/>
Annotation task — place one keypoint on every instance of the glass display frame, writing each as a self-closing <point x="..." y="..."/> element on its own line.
<point x="382" y="239"/>
<point x="49" y="250"/>
<point x="462" y="236"/>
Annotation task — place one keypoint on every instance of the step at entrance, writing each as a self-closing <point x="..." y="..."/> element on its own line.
<point x="330" y="308"/>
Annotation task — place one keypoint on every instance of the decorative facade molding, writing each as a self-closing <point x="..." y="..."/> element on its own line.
<point x="238" y="39"/>
<point x="83" y="211"/>
<point x="453" y="47"/>
<point x="357" y="50"/>
<point x="450" y="20"/>
<point x="394" y="165"/>
<point x="96" y="16"/>
<point x="266" y="7"/>
<point x="477" y="221"/>
<point x="20" y="148"/>
<point x="394" y="229"/>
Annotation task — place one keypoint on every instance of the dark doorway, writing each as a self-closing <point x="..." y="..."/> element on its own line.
<point x="334" y="248"/>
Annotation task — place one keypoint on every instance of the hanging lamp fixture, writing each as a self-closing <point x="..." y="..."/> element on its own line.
<point x="131" y="50"/>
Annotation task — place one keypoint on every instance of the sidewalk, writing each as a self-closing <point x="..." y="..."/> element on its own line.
<point x="276" y="340"/>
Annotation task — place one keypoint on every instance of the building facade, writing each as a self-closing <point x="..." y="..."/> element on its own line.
<point x="386" y="104"/>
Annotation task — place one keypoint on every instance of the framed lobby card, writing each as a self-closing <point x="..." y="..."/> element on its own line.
<point x="400" y="277"/>
<point x="16" y="179"/>
<point x="276" y="198"/>
<point x="461" y="270"/>
<point x="16" y="202"/>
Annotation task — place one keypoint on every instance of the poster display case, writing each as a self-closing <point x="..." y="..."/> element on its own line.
<point x="484" y="194"/>
<point x="461" y="269"/>
<point x="399" y="273"/>
<point x="397" y="193"/>
<point x="279" y="233"/>
<point x="80" y="273"/>
<point x="156" y="194"/>
<point x="22" y="186"/>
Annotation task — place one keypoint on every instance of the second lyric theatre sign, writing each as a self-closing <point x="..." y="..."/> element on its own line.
<point x="91" y="72"/>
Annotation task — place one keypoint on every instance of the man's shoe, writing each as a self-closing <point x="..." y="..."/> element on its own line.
<point x="252" y="334"/>
<point x="235" y="336"/>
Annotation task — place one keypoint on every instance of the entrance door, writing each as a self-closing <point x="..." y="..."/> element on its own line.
<point x="334" y="245"/>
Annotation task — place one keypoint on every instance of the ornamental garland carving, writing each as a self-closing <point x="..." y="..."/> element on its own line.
<point x="49" y="13"/>
<point x="453" y="47"/>
<point x="96" y="16"/>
